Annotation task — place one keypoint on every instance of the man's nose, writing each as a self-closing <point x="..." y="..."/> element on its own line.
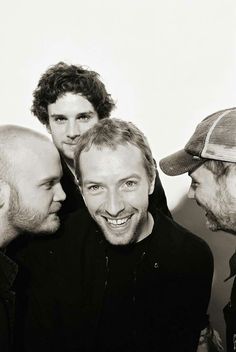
<point x="114" y="204"/>
<point x="191" y="193"/>
<point x="59" y="195"/>
<point x="73" y="129"/>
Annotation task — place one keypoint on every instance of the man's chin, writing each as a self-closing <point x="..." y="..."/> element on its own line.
<point x="49" y="228"/>
<point x="120" y="235"/>
<point x="54" y="225"/>
<point x="68" y="154"/>
<point x="117" y="240"/>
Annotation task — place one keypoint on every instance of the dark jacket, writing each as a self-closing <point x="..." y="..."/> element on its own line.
<point x="73" y="200"/>
<point x="8" y="271"/>
<point x="230" y="320"/>
<point x="65" y="299"/>
<point x="20" y="247"/>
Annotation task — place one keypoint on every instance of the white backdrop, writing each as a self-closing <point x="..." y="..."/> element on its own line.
<point x="168" y="64"/>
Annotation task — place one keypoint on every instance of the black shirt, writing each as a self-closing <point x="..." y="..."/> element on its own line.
<point x="76" y="292"/>
<point x="120" y="297"/>
<point x="8" y="271"/>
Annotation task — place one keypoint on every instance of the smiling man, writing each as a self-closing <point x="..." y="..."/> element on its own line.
<point x="146" y="267"/>
<point x="118" y="200"/>
<point x="209" y="157"/>
<point x="122" y="276"/>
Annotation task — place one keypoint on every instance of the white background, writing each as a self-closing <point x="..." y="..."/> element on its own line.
<point x="168" y="64"/>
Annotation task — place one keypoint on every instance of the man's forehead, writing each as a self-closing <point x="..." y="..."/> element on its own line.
<point x="70" y="100"/>
<point x="203" y="175"/>
<point x="197" y="171"/>
<point x="46" y="157"/>
<point x="113" y="148"/>
<point x="98" y="156"/>
<point x="113" y="164"/>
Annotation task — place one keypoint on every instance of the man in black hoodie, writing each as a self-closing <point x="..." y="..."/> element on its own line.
<point x="122" y="276"/>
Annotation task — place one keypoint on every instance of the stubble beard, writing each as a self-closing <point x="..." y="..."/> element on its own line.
<point x="24" y="219"/>
<point x="123" y="240"/>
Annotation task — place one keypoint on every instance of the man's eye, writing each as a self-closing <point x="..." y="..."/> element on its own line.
<point x="49" y="185"/>
<point x="194" y="185"/>
<point x="130" y="184"/>
<point x="59" y="119"/>
<point x="84" y="117"/>
<point x="94" y="188"/>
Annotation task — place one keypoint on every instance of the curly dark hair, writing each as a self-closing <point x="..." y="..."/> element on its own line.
<point x="62" y="78"/>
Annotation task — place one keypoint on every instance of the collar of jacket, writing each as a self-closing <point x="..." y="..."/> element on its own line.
<point x="8" y="272"/>
<point x="162" y="245"/>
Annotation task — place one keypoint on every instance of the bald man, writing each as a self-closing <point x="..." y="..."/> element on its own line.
<point x="30" y="197"/>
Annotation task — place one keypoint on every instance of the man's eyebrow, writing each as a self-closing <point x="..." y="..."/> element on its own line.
<point x="86" y="182"/>
<point x="57" y="115"/>
<point x="90" y="112"/>
<point x="50" y="179"/>
<point x="130" y="176"/>
<point x="90" y="182"/>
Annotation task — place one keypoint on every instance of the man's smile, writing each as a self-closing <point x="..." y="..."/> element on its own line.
<point x="118" y="222"/>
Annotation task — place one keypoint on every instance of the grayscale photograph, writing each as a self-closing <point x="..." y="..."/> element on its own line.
<point x="118" y="176"/>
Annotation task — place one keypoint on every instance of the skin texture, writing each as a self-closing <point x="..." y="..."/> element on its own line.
<point x="69" y="117"/>
<point x="216" y="196"/>
<point x="30" y="189"/>
<point x="36" y="195"/>
<point x="115" y="188"/>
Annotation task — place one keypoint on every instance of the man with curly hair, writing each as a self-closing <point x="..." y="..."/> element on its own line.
<point x="70" y="99"/>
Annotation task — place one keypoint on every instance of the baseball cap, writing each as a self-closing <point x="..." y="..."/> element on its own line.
<point x="214" y="138"/>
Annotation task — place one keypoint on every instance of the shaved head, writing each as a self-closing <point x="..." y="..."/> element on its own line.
<point x="30" y="190"/>
<point x="18" y="143"/>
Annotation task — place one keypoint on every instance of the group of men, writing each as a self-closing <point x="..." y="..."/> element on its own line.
<point x="87" y="241"/>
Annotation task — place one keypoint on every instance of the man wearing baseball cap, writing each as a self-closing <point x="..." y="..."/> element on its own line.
<point x="210" y="160"/>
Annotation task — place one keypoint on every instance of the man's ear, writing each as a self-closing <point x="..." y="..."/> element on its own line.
<point x="152" y="185"/>
<point x="5" y="192"/>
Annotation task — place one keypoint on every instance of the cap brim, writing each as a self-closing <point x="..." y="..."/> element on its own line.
<point x="179" y="163"/>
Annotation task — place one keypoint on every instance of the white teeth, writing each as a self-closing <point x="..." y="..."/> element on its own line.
<point x="118" y="221"/>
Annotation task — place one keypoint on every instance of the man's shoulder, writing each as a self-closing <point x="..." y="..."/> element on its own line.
<point x="177" y="232"/>
<point x="79" y="218"/>
<point x="182" y="243"/>
<point x="79" y="227"/>
<point x="8" y="272"/>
